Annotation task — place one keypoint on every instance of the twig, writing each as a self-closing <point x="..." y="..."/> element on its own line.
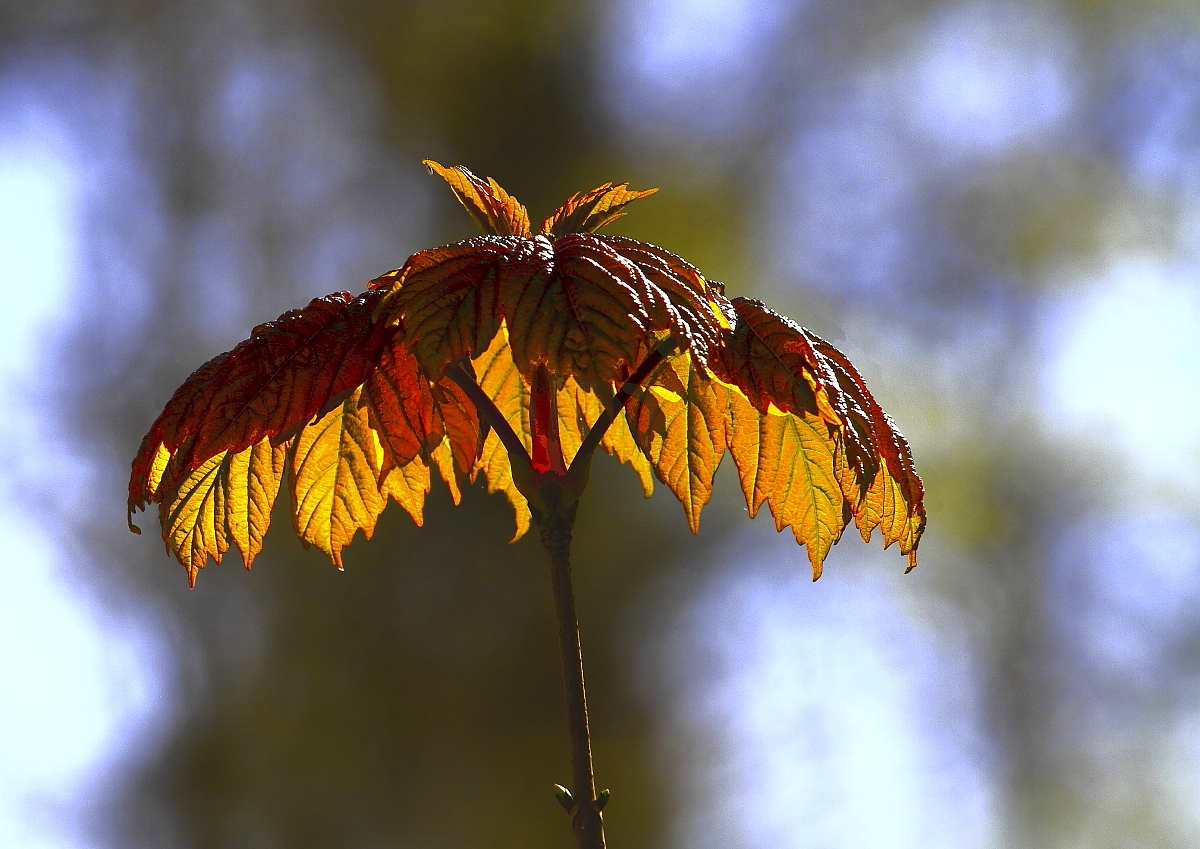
<point x="491" y="414"/>
<point x="581" y="803"/>
<point x="663" y="350"/>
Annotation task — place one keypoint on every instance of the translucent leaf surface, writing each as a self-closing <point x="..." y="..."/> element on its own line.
<point x="225" y="500"/>
<point x="586" y="212"/>
<point x="351" y="395"/>
<point x="501" y="381"/>
<point x="286" y="373"/>
<point x="681" y="422"/>
<point x="334" y="472"/>
<point x="492" y="208"/>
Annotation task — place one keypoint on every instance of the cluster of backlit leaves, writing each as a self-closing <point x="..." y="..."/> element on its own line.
<point x="347" y="403"/>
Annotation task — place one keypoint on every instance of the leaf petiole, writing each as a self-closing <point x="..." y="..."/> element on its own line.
<point x="492" y="415"/>
<point x="659" y="353"/>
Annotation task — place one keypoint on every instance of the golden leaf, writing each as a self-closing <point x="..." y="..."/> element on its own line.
<point x="225" y="500"/>
<point x="680" y="419"/>
<point x="787" y="460"/>
<point x="408" y="485"/>
<point x="500" y="380"/>
<point x="586" y="212"/>
<point x="334" y="472"/>
<point x="578" y="410"/>
<point x="492" y="208"/>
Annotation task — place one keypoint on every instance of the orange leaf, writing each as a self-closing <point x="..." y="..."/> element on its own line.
<point x="400" y="402"/>
<point x="492" y="208"/>
<point x="680" y="420"/>
<point x="769" y="357"/>
<point x="169" y="429"/>
<point x="334" y="473"/>
<point x="586" y="212"/>
<point x="448" y="298"/>
<point x="287" y="372"/>
<point x="412" y="415"/>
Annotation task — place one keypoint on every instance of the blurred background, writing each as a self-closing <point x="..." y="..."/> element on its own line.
<point x="992" y="207"/>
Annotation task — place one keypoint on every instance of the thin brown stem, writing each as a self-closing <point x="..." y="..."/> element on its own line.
<point x="584" y="808"/>
<point x="490" y="414"/>
<point x="553" y="494"/>
<point x="663" y="350"/>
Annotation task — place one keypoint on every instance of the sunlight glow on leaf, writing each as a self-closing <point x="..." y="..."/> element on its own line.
<point x="361" y="397"/>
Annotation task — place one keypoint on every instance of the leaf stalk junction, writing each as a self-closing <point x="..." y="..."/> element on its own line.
<point x="553" y="490"/>
<point x="337" y="404"/>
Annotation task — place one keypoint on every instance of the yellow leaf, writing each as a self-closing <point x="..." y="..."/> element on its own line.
<point x="193" y="520"/>
<point x="254" y="478"/>
<point x="681" y="422"/>
<point x="578" y="411"/>
<point x="226" y="500"/>
<point x="500" y="380"/>
<point x="787" y="460"/>
<point x="442" y="459"/>
<point x="885" y="506"/>
<point x="334" y="475"/>
<point x="162" y="455"/>
<point x="408" y="485"/>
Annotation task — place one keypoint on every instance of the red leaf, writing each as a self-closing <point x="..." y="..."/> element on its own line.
<point x="581" y="305"/>
<point x="589" y="317"/>
<point x="412" y="416"/>
<point x="688" y="304"/>
<point x="400" y="401"/>
<point x="285" y="374"/>
<point x="168" y="429"/>
<point x="448" y="298"/>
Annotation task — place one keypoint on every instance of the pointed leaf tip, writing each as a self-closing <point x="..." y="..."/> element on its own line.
<point x="807" y="392"/>
<point x="346" y="398"/>
<point x="493" y="209"/>
<point x="587" y="212"/>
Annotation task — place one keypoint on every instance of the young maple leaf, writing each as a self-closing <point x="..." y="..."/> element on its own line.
<point x="510" y="357"/>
